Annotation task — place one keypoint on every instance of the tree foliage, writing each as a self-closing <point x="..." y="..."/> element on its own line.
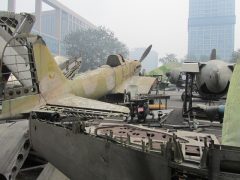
<point x="168" y="58"/>
<point x="235" y="56"/>
<point x="94" y="46"/>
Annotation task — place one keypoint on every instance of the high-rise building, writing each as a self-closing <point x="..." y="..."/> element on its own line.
<point x="211" y="25"/>
<point x="53" y="25"/>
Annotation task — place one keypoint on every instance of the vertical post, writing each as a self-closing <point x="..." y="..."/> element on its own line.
<point x="58" y="23"/>
<point x="185" y="95"/>
<point x="166" y="103"/>
<point x="190" y="95"/>
<point x="1" y="81"/>
<point x="38" y="11"/>
<point x="59" y="28"/>
<point x="12" y="5"/>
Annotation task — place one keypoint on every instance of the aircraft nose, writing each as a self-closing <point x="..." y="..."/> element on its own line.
<point x="215" y="76"/>
<point x="214" y="81"/>
<point x="218" y="80"/>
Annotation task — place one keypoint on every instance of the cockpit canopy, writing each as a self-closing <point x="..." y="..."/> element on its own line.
<point x="115" y="60"/>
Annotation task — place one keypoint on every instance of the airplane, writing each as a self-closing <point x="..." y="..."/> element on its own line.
<point x="211" y="80"/>
<point x="229" y="111"/>
<point x="40" y="83"/>
<point x="214" y="77"/>
<point x="175" y="76"/>
<point x="111" y="78"/>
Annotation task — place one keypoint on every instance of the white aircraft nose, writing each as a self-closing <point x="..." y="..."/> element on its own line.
<point x="214" y="76"/>
<point x="217" y="81"/>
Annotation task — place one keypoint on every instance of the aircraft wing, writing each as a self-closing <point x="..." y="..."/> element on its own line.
<point x="143" y="83"/>
<point x="75" y="105"/>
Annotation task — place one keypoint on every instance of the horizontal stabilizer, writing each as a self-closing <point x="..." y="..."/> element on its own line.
<point x="85" y="107"/>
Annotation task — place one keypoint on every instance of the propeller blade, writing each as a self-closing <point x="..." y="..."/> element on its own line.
<point x="213" y="54"/>
<point x="146" y="52"/>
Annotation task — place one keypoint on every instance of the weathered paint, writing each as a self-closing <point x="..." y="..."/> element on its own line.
<point x="19" y="105"/>
<point x="231" y="133"/>
<point x="99" y="82"/>
<point x="94" y="84"/>
<point x="54" y="86"/>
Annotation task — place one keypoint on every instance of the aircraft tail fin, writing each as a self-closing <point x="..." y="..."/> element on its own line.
<point x="213" y="54"/>
<point x="49" y="74"/>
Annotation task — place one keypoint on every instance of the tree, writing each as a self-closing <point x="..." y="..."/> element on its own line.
<point x="94" y="46"/>
<point x="235" y="56"/>
<point x="168" y="58"/>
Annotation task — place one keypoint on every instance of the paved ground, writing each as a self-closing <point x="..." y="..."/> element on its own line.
<point x="176" y="118"/>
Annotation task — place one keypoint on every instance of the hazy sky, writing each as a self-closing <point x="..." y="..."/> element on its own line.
<point x="139" y="23"/>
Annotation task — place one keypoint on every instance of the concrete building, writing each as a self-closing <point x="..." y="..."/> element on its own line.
<point x="54" y="25"/>
<point x="211" y="25"/>
<point x="151" y="61"/>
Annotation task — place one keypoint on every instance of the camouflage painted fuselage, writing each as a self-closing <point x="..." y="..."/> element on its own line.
<point x="97" y="83"/>
<point x="53" y="85"/>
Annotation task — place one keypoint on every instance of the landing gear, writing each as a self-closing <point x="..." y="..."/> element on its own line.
<point x="187" y="97"/>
